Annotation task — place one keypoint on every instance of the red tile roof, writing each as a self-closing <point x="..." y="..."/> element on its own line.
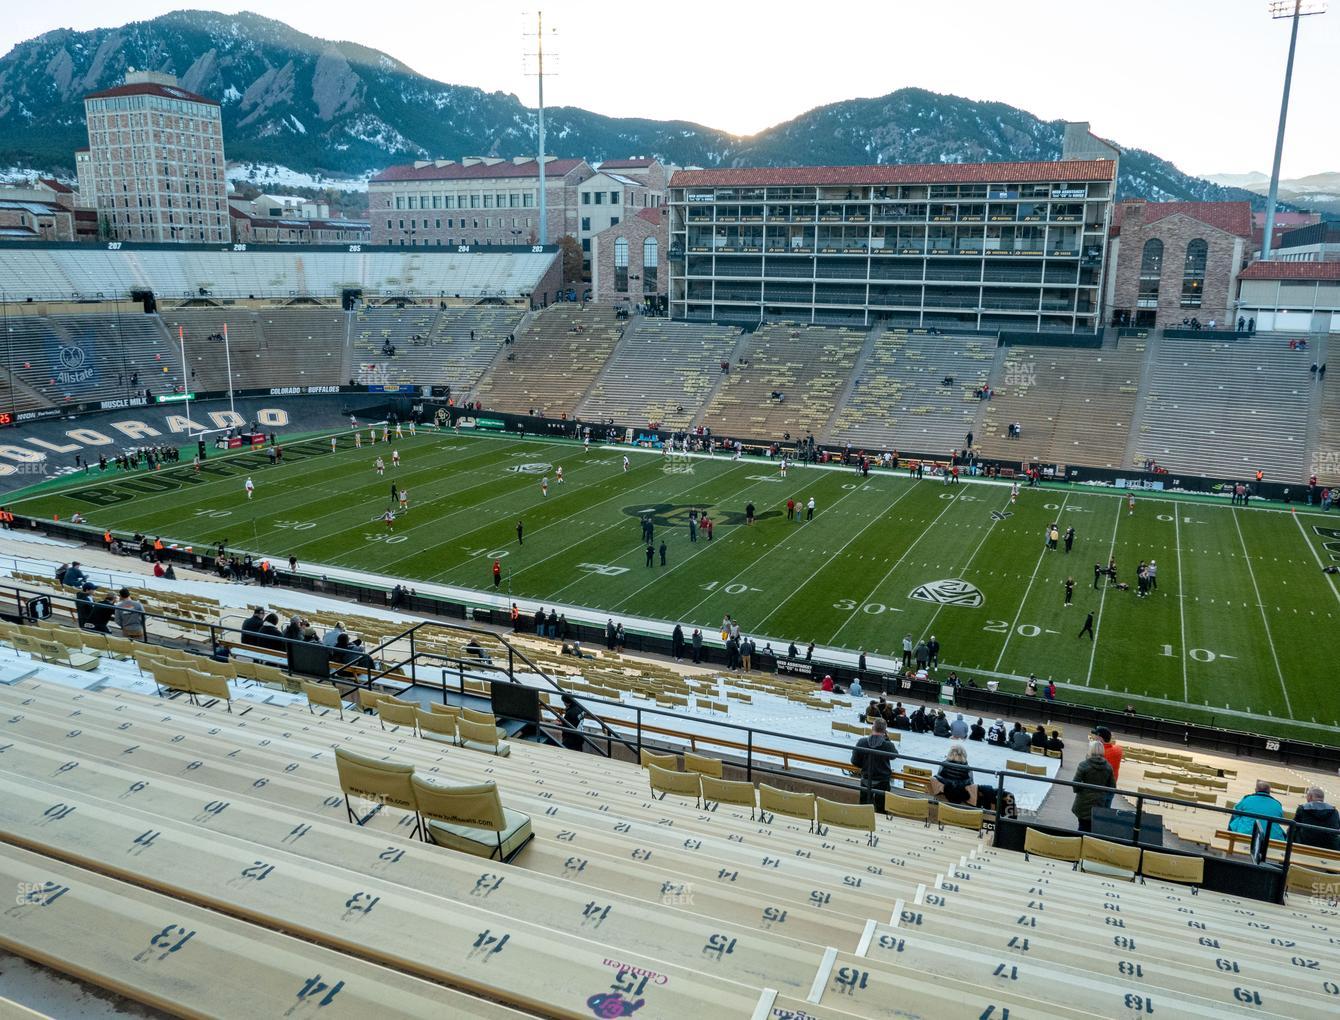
<point x="626" y="164"/>
<point x="1291" y="271"/>
<point x="897" y="173"/>
<point x="54" y="185"/>
<point x="477" y="172"/>
<point x="653" y="215"/>
<point x="1230" y="217"/>
<point x="152" y="89"/>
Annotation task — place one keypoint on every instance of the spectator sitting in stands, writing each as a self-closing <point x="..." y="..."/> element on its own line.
<point x="1258" y="803"/>
<point x="954" y="782"/>
<point x="350" y="653"/>
<point x="977" y="732"/>
<point x="252" y="625"/>
<point x="1096" y="771"/>
<point x="74" y="576"/>
<point x="940" y="727"/>
<point x="958" y="729"/>
<point x="1315" y="811"/>
<point x="1055" y="743"/>
<point x="1039" y="738"/>
<point x="101" y="613"/>
<point x="270" y="636"/>
<point x="996" y="735"/>
<point x="1019" y="739"/>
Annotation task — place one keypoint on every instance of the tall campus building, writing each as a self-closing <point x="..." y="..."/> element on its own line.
<point x="155" y="160"/>
<point x="1013" y="246"/>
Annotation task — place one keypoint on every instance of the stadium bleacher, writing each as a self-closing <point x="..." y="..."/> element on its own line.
<point x="1072" y="407"/>
<point x="191" y="273"/>
<point x="615" y="884"/>
<point x="1227" y="408"/>
<point x="900" y="401"/>
<point x="806" y="365"/>
<point x="553" y="362"/>
<point x="661" y="371"/>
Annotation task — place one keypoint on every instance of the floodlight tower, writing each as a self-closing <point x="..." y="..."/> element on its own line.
<point x="543" y="234"/>
<point x="1293" y="10"/>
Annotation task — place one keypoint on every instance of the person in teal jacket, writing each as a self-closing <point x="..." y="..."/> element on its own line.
<point x="1258" y="803"/>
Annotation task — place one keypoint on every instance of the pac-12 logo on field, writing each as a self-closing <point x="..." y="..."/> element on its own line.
<point x="531" y="469"/>
<point x="949" y="592"/>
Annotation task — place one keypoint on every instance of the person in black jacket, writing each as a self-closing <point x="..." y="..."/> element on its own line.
<point x="874" y="756"/>
<point x="1315" y="811"/>
<point x="1039" y="738"/>
<point x="954" y="782"/>
<point x="677" y="643"/>
<point x="83" y="604"/>
<point x="573" y="713"/>
<point x="270" y="636"/>
<point x="978" y="731"/>
<point x="251" y="626"/>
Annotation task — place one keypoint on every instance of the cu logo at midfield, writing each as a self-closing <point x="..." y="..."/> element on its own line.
<point x="72" y="357"/>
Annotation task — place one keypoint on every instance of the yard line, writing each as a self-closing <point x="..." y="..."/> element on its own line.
<point x="1269" y="640"/>
<point x="799" y="530"/>
<point x="703" y="546"/>
<point x="805" y="583"/>
<point x="621" y="494"/>
<point x="967" y="563"/>
<point x="1181" y="602"/>
<point x="1023" y="601"/>
<point x="1102" y="599"/>
<point x="911" y="545"/>
<point x="1313" y="549"/>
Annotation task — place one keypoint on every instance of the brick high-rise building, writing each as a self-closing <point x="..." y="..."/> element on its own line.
<point x="155" y="154"/>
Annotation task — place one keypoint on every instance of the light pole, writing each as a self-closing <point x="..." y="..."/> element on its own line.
<point x="1293" y="10"/>
<point x="228" y="360"/>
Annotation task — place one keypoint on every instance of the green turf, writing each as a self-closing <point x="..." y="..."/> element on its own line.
<point x="1243" y="617"/>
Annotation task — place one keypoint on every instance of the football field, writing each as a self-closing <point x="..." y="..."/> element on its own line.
<point x="1243" y="618"/>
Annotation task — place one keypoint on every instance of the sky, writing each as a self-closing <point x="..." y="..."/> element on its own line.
<point x="1194" y="81"/>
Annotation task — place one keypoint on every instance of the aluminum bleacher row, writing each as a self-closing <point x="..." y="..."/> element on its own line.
<point x="901" y="402"/>
<point x="661" y="371"/>
<point x="1227" y="408"/>
<point x="806" y="366"/>
<point x="112" y="274"/>
<point x="210" y="827"/>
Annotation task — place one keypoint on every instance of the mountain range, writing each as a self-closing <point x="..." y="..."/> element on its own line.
<point x="1319" y="192"/>
<point x="342" y="110"/>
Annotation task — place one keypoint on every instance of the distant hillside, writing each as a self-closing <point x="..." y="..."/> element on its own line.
<point x="1318" y="192"/>
<point x="338" y="109"/>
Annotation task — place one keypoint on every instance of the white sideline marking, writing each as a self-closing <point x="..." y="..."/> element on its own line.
<point x="867" y="936"/>
<point x="763" y="1008"/>
<point x="821" y="978"/>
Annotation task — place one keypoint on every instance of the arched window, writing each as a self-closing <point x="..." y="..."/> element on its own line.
<point x="1151" y="268"/>
<point x="1193" y="273"/>
<point x="621" y="264"/>
<point x="650" y="265"/>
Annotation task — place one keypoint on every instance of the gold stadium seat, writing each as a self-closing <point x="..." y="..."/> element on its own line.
<point x="665" y="761"/>
<point x="702" y="764"/>
<point x="368" y="698"/>
<point x="1322" y="885"/>
<point x="451" y="710"/>
<point x="471" y="819"/>
<point x="206" y="685"/>
<point x="325" y="695"/>
<point x="681" y="784"/>
<point x="1058" y="848"/>
<point x="960" y="817"/>
<point x="784" y="802"/>
<point x="397" y="712"/>
<point x="916" y="808"/>
<point x="1103" y="857"/>
<point x="477" y="736"/>
<point x="436" y="726"/>
<point x="847" y="816"/>
<point x="723" y="791"/>
<point x="1173" y="868"/>
<point x="385" y="782"/>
